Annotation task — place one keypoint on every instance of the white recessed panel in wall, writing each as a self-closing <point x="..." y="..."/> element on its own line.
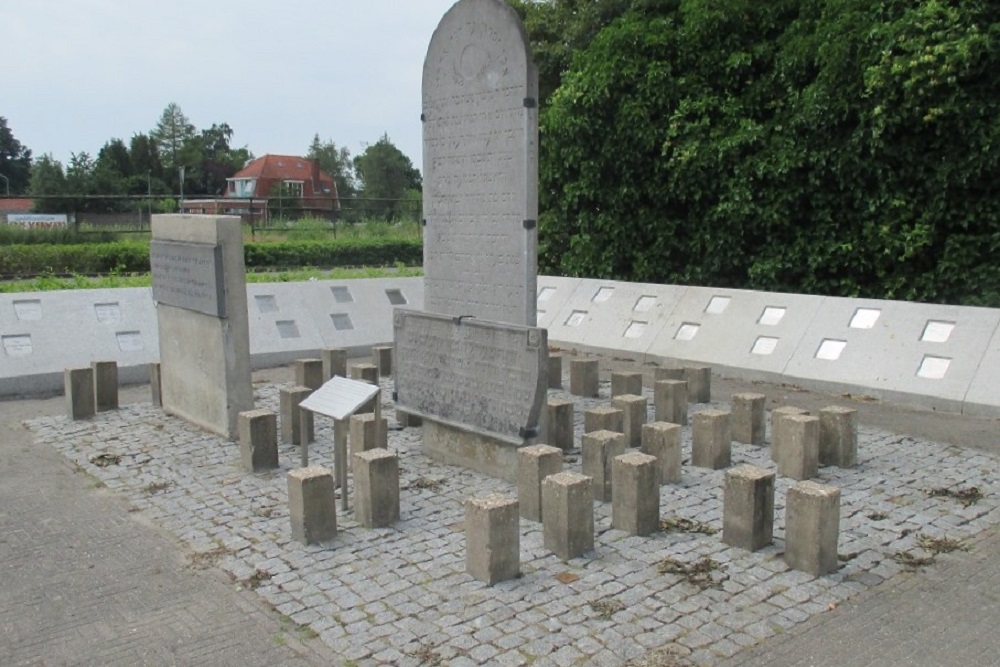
<point x="764" y="345"/>
<point x="17" y="346"/>
<point x="28" y="309"/>
<point x="129" y="341"/>
<point x="575" y="318"/>
<point x="933" y="368"/>
<point x="771" y="316"/>
<point x="644" y="304"/>
<point x="635" y="329"/>
<point x="266" y="303"/>
<point x="717" y="305"/>
<point x="830" y="350"/>
<point x="603" y="294"/>
<point x="545" y="293"/>
<point x="937" y="331"/>
<point x="865" y="318"/>
<point x="687" y="331"/>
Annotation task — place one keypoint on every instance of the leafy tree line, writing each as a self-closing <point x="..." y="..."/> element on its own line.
<point x="825" y="146"/>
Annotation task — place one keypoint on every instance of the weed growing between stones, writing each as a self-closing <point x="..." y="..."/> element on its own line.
<point x="878" y="516"/>
<point x="967" y="496"/>
<point x="207" y="559"/>
<point x="682" y="525"/>
<point x="703" y="573"/>
<point x="255" y="580"/>
<point x="607" y="607"/>
<point x="153" y="488"/>
<point x="940" y="545"/>
<point x="911" y="561"/>
<point x="427" y="656"/>
<point x="105" y="460"/>
<point x="426" y="483"/>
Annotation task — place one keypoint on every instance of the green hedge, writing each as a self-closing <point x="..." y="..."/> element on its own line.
<point x="133" y="256"/>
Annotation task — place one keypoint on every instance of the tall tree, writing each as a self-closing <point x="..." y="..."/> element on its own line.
<point x="213" y="160"/>
<point x="172" y="131"/>
<point x="15" y="161"/>
<point x="114" y="156"/>
<point x="336" y="162"/>
<point x="48" y="184"/>
<point x="386" y="175"/>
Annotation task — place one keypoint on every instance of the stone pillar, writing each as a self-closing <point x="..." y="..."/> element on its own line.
<point x="800" y="447"/>
<point x="633" y="410"/>
<point x="711" y="439"/>
<point x="382" y="359"/>
<point x="78" y="385"/>
<point x="364" y="373"/>
<point x="368" y="434"/>
<point x="334" y="362"/>
<point x="555" y="371"/>
<point x="670" y="401"/>
<point x="584" y="377"/>
<point x="560" y="423"/>
<point x="258" y="431"/>
<point x="777" y="436"/>
<point x="534" y="464"/>
<point x="812" y="527"/>
<point x="105" y="385"/>
<point x="312" y="505"/>
<point x="635" y="501"/>
<point x="492" y="539"/>
<point x="376" y="488"/>
<point x="661" y="374"/>
<point x="406" y="419"/>
<point x="291" y="422"/>
<point x="699" y="380"/>
<point x="309" y="373"/>
<point x="662" y="440"/>
<point x="603" y="418"/>
<point x="748" y="507"/>
<point x="838" y="437"/>
<point x="626" y="383"/>
<point x="748" y="418"/>
<point x="568" y="514"/>
<point x="155" y="386"/>
<point x="598" y="449"/>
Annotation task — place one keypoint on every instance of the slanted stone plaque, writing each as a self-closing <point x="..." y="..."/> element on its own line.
<point x="480" y="129"/>
<point x="485" y="377"/>
<point x="188" y="275"/>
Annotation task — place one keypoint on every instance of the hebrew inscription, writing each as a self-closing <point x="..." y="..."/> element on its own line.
<point x="188" y="275"/>
<point x="480" y="166"/>
<point x="486" y="377"/>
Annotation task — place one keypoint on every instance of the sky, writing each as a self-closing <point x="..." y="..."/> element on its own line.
<point x="77" y="73"/>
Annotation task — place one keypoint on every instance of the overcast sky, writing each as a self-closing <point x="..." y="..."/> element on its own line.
<point x="76" y="73"/>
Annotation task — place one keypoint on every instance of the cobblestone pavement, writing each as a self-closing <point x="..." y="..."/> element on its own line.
<point x="401" y="595"/>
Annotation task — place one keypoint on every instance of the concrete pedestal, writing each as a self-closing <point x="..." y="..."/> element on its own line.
<point x="258" y="433"/>
<point x="534" y="464"/>
<point x="376" y="488"/>
<point x="78" y="386"/>
<point x="748" y="418"/>
<point x="560" y="423"/>
<point x="748" y="508"/>
<point x="634" y="409"/>
<point x="312" y="505"/>
<point x="711" y="440"/>
<point x="492" y="539"/>
<point x="635" y="502"/>
<point x="812" y="527"/>
<point x="568" y="514"/>
<point x="584" y="377"/>
<point x="599" y="449"/>
<point x="662" y="441"/>
<point x="838" y="437"/>
<point x="626" y="383"/>
<point x="670" y="401"/>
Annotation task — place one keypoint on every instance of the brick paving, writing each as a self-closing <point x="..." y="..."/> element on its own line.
<point x="401" y="595"/>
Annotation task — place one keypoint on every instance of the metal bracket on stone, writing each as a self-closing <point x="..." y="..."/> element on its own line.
<point x="530" y="102"/>
<point x="424" y="221"/>
<point x="528" y="432"/>
<point x="423" y="118"/>
<point x="395" y="396"/>
<point x="530" y="224"/>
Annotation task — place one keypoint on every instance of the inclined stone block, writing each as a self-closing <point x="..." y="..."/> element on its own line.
<point x="568" y="514"/>
<point x="312" y="505"/>
<point x="626" y="383"/>
<point x="699" y="381"/>
<point x="555" y="371"/>
<point x="711" y="439"/>
<point x="258" y="440"/>
<point x="800" y="447"/>
<point x="662" y="440"/>
<point x="748" y="418"/>
<point x="376" y="488"/>
<point x="633" y="409"/>
<point x="777" y="435"/>
<point x="492" y="539"/>
<point x="291" y="420"/>
<point x="334" y="362"/>
<point x="105" y="385"/>
<point x="599" y="448"/>
<point x="154" y="384"/>
<point x="78" y="386"/>
<point x="812" y="527"/>
<point x="534" y="464"/>
<point x="670" y="401"/>
<point x="366" y="434"/>
<point x="309" y="373"/>
<point x="838" y="437"/>
<point x="635" y="502"/>
<point x="603" y="418"/>
<point x="382" y="359"/>
<point x="584" y="377"/>
<point x="560" y="423"/>
<point x="748" y="507"/>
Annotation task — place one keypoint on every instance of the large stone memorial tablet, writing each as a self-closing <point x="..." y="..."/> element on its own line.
<point x="480" y="126"/>
<point x="188" y="275"/>
<point x="484" y="377"/>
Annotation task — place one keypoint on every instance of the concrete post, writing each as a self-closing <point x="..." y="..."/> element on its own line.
<point x="555" y="371"/>
<point x="560" y="423"/>
<point x="307" y="434"/>
<point x="661" y="374"/>
<point x="626" y="383"/>
<point x="670" y="401"/>
<point x="699" y="379"/>
<point x="838" y="437"/>
<point x="599" y="448"/>
<point x="800" y="447"/>
<point x="78" y="386"/>
<point x="105" y="385"/>
<point x="312" y="505"/>
<point x="376" y="488"/>
<point x="633" y="410"/>
<point x="155" y="385"/>
<point x="406" y="419"/>
<point x="584" y="377"/>
<point x="568" y="514"/>
<point x="258" y="433"/>
<point x="492" y="539"/>
<point x="662" y="440"/>
<point x="534" y="464"/>
<point x="812" y="527"/>
<point x="635" y="494"/>
<point x="291" y="422"/>
<point x="603" y="418"/>
<point x="365" y="373"/>
<point x="748" y="418"/>
<point x="309" y="373"/>
<point x="382" y="359"/>
<point x="367" y="433"/>
<point x="711" y="440"/>
<point x="777" y="435"/>
<point x="748" y="507"/>
<point x="334" y="362"/>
